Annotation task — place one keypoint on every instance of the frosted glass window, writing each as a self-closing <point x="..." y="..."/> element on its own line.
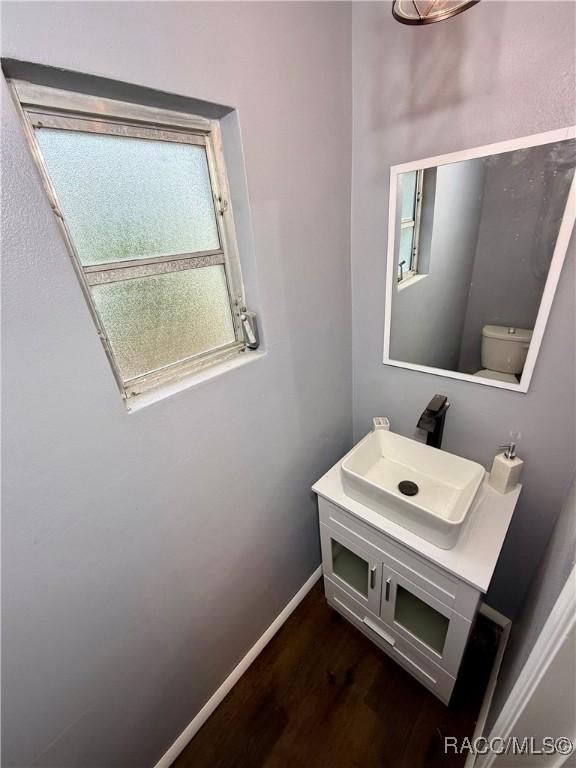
<point x="405" y="254"/>
<point x="155" y="321"/>
<point x="408" y="187"/>
<point x="144" y="198"/>
<point x="410" y="200"/>
<point x="420" y="619"/>
<point x="351" y="568"/>
<point x="129" y="198"/>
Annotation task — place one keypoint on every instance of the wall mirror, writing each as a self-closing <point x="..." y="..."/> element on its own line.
<point x="476" y="242"/>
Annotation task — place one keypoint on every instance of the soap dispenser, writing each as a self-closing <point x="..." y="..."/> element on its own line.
<point x="506" y="469"/>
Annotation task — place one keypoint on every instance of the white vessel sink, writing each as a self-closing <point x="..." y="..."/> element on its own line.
<point x="447" y="484"/>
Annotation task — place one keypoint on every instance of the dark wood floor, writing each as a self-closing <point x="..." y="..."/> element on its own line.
<point x="321" y="695"/>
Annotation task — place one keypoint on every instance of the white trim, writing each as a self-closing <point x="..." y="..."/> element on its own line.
<point x="524" y="142"/>
<point x="409" y="281"/>
<point x="193" y="379"/>
<point x="560" y="622"/>
<point x="506" y="626"/>
<point x="565" y="231"/>
<point x="220" y="694"/>
<point x="40" y="97"/>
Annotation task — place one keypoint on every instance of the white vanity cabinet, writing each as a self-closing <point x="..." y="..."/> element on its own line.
<point x="416" y="612"/>
<point x="415" y="600"/>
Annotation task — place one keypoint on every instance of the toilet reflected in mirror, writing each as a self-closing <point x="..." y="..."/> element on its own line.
<point x="503" y="353"/>
<point x="476" y="244"/>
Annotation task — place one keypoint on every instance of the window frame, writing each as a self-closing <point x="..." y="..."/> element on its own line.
<point x="414" y="224"/>
<point x="46" y="107"/>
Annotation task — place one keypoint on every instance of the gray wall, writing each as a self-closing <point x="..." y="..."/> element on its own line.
<point x="486" y="75"/>
<point x="549" y="580"/>
<point x="428" y="315"/>
<point x="524" y="201"/>
<point x="145" y="553"/>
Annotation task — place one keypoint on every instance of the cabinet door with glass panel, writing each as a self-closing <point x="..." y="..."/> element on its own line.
<point x="355" y="568"/>
<point x="429" y="625"/>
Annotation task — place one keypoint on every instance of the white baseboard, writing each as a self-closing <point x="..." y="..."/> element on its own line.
<point x="190" y="731"/>
<point x="506" y="625"/>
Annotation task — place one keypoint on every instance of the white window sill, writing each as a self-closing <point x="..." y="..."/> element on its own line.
<point x="138" y="402"/>
<point x="409" y="281"/>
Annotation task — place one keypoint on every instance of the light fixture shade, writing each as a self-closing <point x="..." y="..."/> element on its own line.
<point x="428" y="11"/>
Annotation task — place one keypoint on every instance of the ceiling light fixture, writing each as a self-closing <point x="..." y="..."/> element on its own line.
<point x="428" y="11"/>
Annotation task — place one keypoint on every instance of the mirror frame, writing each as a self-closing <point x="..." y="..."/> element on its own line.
<point x="562" y="242"/>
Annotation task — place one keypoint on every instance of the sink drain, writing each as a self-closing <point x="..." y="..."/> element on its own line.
<point x="408" y="488"/>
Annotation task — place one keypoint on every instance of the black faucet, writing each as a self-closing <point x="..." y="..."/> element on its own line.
<point x="432" y="420"/>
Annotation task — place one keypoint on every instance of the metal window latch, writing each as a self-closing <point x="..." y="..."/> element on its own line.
<point x="56" y="210"/>
<point x="222" y="206"/>
<point x="250" y="327"/>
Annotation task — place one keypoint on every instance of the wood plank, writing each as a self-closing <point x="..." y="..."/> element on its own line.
<point x="321" y="694"/>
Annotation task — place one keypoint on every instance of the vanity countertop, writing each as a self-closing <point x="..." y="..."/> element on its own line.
<point x="476" y="553"/>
